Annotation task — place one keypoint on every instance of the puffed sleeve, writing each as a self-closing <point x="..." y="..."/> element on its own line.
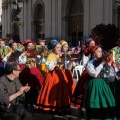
<point x="92" y="71"/>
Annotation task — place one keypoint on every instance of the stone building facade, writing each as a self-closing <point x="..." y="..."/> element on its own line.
<point x="62" y="19"/>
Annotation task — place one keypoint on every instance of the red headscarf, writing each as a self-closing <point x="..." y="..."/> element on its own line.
<point x="26" y="42"/>
<point x="90" y="50"/>
<point x="93" y="49"/>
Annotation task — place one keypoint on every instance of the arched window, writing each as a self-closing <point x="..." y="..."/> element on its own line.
<point x="39" y="21"/>
<point x="75" y="27"/>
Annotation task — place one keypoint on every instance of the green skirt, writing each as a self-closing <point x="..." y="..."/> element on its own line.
<point x="99" y="101"/>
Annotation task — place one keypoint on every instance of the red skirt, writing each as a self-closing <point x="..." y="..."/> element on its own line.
<point x="34" y="78"/>
<point x="77" y="99"/>
<point x="56" y="92"/>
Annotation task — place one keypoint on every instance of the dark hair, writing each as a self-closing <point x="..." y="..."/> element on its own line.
<point x="9" y="67"/>
<point x="52" y="44"/>
<point x="14" y="42"/>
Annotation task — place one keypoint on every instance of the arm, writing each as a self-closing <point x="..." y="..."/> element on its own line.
<point x="4" y="95"/>
<point x="6" y="98"/>
<point x="92" y="71"/>
<point x="20" y="92"/>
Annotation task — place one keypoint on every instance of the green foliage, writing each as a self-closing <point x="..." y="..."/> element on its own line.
<point x="105" y="35"/>
<point x="17" y="24"/>
<point x="118" y="2"/>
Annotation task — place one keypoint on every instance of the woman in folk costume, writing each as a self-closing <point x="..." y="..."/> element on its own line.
<point x="99" y="100"/>
<point x="15" y="53"/>
<point x="114" y="58"/>
<point x="56" y="91"/>
<point x="31" y="74"/>
<point x="71" y="56"/>
<point x="65" y="53"/>
<point x="77" y="99"/>
<point x="86" y="56"/>
<point x="4" y="50"/>
<point x="115" y="54"/>
<point x="45" y="52"/>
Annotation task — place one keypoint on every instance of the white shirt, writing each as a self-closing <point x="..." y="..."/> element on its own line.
<point x="92" y="71"/>
<point x="85" y="59"/>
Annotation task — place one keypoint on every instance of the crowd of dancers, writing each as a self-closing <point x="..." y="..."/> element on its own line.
<point x="47" y="70"/>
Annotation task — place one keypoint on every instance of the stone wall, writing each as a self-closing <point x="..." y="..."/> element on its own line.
<point x="56" y="11"/>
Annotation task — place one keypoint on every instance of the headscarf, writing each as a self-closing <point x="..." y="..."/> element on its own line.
<point x="25" y="43"/>
<point x="93" y="49"/>
<point x="88" y="41"/>
<point x="52" y="44"/>
<point x="90" y="50"/>
<point x="63" y="42"/>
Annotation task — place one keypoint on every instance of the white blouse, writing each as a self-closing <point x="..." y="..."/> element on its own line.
<point x="85" y="59"/>
<point x="92" y="71"/>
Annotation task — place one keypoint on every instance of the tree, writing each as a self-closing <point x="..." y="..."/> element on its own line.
<point x="105" y="35"/>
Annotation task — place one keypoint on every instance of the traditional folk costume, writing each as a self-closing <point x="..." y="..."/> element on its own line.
<point x="56" y="91"/>
<point x="114" y="54"/>
<point x="99" y="100"/>
<point x="30" y="74"/>
<point x="42" y="65"/>
<point x="77" y="99"/>
<point x="4" y="51"/>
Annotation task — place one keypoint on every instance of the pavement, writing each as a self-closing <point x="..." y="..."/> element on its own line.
<point x="74" y="116"/>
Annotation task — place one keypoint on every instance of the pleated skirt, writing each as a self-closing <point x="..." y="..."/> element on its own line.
<point x="55" y="94"/>
<point x="99" y="101"/>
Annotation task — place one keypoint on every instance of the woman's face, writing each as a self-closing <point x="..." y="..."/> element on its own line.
<point x="98" y="53"/>
<point x="57" y="49"/>
<point x="65" y="48"/>
<point x="14" y="46"/>
<point x="92" y="43"/>
<point x="30" y="46"/>
<point x="42" y="43"/>
<point x="2" y="43"/>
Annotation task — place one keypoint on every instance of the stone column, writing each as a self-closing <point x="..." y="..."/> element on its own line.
<point x="96" y="12"/>
<point x="3" y="22"/>
<point x="108" y="11"/>
<point x="53" y="18"/>
<point x="9" y="17"/>
<point x="48" y="18"/>
<point x="21" y="29"/>
<point x="86" y="20"/>
<point x="29" y="19"/>
<point x="59" y="23"/>
<point x="24" y="20"/>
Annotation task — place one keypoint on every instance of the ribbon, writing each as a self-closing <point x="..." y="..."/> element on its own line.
<point x="4" y="50"/>
<point x="112" y="62"/>
<point x="116" y="51"/>
<point x="36" y="48"/>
